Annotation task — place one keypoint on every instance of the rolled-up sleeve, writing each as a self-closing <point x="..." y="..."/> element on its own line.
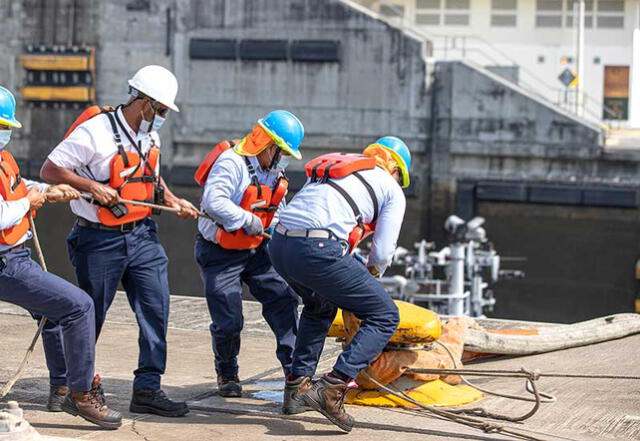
<point x="35" y="184"/>
<point x="74" y="152"/>
<point x="385" y="238"/>
<point x="225" y="178"/>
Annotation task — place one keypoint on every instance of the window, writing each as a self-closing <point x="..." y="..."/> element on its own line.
<point x="428" y="19"/>
<point x="549" y="13"/>
<point x="457" y="4"/>
<point x="509" y="5"/>
<point x="611" y="6"/>
<point x="503" y="13"/>
<point x="428" y="4"/>
<point x="503" y="20"/>
<point x="456" y="19"/>
<point x="610" y="14"/>
<point x="604" y="14"/>
<point x="548" y="21"/>
<point x="610" y="22"/>
<point x="443" y="12"/>
<point x="549" y="5"/>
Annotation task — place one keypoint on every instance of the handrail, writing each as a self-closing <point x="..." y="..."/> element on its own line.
<point x="403" y="22"/>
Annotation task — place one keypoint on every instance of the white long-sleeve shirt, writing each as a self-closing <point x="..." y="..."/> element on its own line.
<point x="227" y="181"/>
<point x="319" y="206"/>
<point x="12" y="212"/>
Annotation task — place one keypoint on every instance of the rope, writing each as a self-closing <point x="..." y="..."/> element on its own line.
<point x="43" y="321"/>
<point x="517" y="373"/>
<point x="476" y="423"/>
<point x="548" y="398"/>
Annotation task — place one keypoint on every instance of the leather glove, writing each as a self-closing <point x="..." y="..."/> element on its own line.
<point x="374" y="271"/>
<point x="254" y="226"/>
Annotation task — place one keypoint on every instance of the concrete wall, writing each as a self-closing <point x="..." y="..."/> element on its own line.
<point x="460" y="121"/>
<point x="524" y="43"/>
<point x="486" y="127"/>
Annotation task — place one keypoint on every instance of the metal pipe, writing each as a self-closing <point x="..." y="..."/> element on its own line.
<point x="167" y="50"/>
<point x="580" y="59"/>
<point x="457" y="278"/>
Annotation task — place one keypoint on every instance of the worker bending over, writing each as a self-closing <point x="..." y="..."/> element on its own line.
<point x="26" y="284"/>
<point x="244" y="185"/>
<point x="114" y="154"/>
<point x="346" y="197"/>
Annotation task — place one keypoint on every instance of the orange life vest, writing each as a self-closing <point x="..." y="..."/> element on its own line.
<point x="12" y="188"/>
<point x="86" y="115"/>
<point x="258" y="198"/>
<point x="133" y="174"/>
<point x="339" y="165"/>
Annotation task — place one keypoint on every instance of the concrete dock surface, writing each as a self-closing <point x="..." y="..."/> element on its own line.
<point x="585" y="409"/>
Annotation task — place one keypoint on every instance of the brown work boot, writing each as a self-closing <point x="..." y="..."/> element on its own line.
<point x="327" y="397"/>
<point x="229" y="386"/>
<point x="57" y="395"/>
<point x="292" y="404"/>
<point x="92" y="407"/>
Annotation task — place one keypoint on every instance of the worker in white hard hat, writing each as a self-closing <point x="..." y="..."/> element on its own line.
<point x="114" y="154"/>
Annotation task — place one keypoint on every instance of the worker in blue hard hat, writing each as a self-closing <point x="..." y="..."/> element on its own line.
<point x="243" y="187"/>
<point x="24" y="283"/>
<point x="346" y="198"/>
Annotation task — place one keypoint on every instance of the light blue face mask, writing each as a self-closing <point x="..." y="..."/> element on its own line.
<point x="5" y="136"/>
<point x="144" y="129"/>
<point x="151" y="126"/>
<point x="157" y="123"/>
<point x="283" y="162"/>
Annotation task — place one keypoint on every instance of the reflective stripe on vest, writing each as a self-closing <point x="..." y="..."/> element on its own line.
<point x="339" y="165"/>
<point x="12" y="188"/>
<point x="258" y="199"/>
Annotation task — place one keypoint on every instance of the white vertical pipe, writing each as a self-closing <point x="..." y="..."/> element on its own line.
<point x="634" y="96"/>
<point x="580" y="59"/>
<point x="457" y="278"/>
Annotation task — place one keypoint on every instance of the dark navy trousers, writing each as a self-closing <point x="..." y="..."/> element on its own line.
<point x="69" y="310"/>
<point x="327" y="278"/>
<point x="103" y="259"/>
<point x="223" y="272"/>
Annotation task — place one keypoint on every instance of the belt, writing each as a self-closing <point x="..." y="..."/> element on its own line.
<point x="124" y="228"/>
<point x="18" y="247"/>
<point x="311" y="233"/>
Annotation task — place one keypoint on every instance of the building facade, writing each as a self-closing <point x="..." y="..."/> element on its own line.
<point x="482" y="144"/>
<point x="534" y="41"/>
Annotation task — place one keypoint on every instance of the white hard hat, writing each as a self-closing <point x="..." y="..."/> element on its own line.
<point x="157" y="83"/>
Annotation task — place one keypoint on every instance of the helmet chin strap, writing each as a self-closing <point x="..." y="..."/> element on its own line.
<point x="275" y="159"/>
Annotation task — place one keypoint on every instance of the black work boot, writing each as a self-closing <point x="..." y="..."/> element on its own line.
<point x="327" y="397"/>
<point x="229" y="386"/>
<point x="291" y="404"/>
<point x="57" y="395"/>
<point x="91" y="406"/>
<point x="157" y="402"/>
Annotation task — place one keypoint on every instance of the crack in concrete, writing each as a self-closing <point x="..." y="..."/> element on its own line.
<point x="137" y="432"/>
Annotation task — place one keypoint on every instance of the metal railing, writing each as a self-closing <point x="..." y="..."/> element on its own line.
<point x="483" y="52"/>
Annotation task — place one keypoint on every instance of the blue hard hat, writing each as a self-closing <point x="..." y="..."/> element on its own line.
<point x="400" y="153"/>
<point x="286" y="131"/>
<point x="8" y="109"/>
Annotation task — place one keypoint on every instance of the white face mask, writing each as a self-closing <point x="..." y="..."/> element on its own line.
<point x="157" y="123"/>
<point x="5" y="136"/>
<point x="283" y="162"/>
<point x="150" y="126"/>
